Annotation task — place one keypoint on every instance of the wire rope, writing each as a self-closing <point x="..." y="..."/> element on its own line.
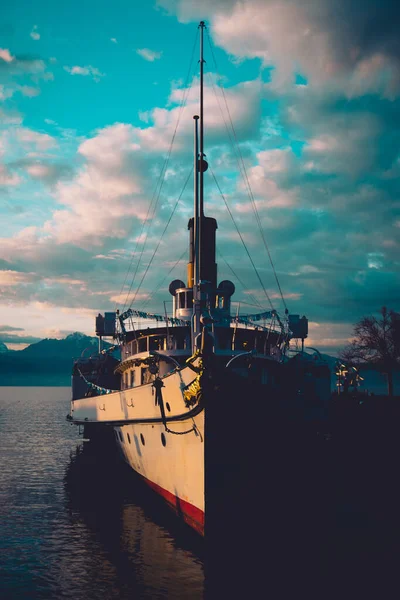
<point x="161" y="238"/>
<point x="246" y="180"/>
<point x="160" y="181"/>
<point x="242" y="240"/>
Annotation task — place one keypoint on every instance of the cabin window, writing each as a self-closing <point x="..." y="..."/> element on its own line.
<point x="142" y="375"/>
<point x="163" y="440"/>
<point x="219" y="302"/>
<point x="182" y="300"/>
<point x="156" y="343"/>
<point x="121" y="437"/>
<point x="134" y="347"/>
<point x="142" y="344"/>
<point x="133" y="378"/>
<point x="142" y="439"/>
<point x="129" y="437"/>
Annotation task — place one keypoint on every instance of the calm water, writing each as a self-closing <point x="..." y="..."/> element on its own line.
<point x="75" y="525"/>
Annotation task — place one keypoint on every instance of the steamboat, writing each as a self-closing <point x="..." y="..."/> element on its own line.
<point x="193" y="400"/>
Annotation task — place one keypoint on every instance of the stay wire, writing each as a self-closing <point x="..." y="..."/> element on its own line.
<point x="161" y="179"/>
<point x="251" y="296"/>
<point x="161" y="238"/>
<point x="242" y="240"/>
<point x="246" y="179"/>
<point x="154" y="292"/>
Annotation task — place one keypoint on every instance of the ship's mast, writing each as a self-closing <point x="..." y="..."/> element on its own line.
<point x="196" y="237"/>
<point x="203" y="232"/>
<point x="201" y="149"/>
<point x="198" y="198"/>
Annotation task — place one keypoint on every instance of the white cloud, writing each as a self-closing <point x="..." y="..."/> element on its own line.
<point x="322" y="39"/>
<point x="5" y="55"/>
<point x="244" y="101"/>
<point x="114" y="40"/>
<point x="13" y="278"/>
<point x="29" y="91"/>
<point x="30" y="138"/>
<point x="5" y="92"/>
<point x="7" y="178"/>
<point x="35" y="35"/>
<point x="147" y="54"/>
<point x="38" y="171"/>
<point x="87" y="71"/>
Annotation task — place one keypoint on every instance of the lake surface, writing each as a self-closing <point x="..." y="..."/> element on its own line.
<point x="81" y="525"/>
<point x="75" y="525"/>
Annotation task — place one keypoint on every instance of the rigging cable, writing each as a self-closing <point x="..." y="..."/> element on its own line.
<point x="246" y="180"/>
<point x="242" y="240"/>
<point x="162" y="235"/>
<point x="251" y="296"/>
<point x="152" y="294"/>
<point x="160" y="181"/>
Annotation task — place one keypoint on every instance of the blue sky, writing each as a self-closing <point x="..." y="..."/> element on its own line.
<point x="89" y="98"/>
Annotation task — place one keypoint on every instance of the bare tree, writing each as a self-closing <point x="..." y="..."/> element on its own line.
<point x="376" y="341"/>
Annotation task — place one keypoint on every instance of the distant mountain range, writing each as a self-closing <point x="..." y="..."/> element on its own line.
<point x="49" y="363"/>
<point x="45" y="363"/>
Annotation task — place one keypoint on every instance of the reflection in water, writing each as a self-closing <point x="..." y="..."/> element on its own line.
<point x="77" y="524"/>
<point x="131" y="543"/>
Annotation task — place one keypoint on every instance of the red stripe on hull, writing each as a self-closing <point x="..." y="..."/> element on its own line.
<point x="192" y="515"/>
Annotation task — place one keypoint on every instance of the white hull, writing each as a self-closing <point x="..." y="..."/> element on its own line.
<point x="175" y="470"/>
<point x="169" y="454"/>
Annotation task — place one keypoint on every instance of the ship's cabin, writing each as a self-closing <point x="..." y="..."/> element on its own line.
<point x="173" y="346"/>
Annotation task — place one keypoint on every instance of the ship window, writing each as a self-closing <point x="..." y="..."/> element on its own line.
<point x="168" y="406"/>
<point x="132" y="377"/>
<point x="134" y="347"/>
<point x="121" y="436"/>
<point x="129" y="437"/>
<point x="142" y="439"/>
<point x="156" y="343"/>
<point x="142" y="343"/>
<point x="180" y="300"/>
<point x="219" y="302"/>
<point x="163" y="440"/>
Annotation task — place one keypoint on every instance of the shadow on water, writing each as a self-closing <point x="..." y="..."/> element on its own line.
<point x="145" y="551"/>
<point x="319" y="518"/>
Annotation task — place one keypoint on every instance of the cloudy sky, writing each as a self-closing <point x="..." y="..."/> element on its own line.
<point x="90" y="94"/>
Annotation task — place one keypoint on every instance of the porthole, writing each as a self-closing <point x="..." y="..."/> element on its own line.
<point x="129" y="437"/>
<point x="163" y="440"/>
<point x="121" y="436"/>
<point x="142" y="439"/>
<point x="168" y="406"/>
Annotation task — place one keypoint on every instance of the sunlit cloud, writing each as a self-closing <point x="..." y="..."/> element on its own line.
<point x="35" y="35"/>
<point x="149" y="55"/>
<point x="87" y="71"/>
